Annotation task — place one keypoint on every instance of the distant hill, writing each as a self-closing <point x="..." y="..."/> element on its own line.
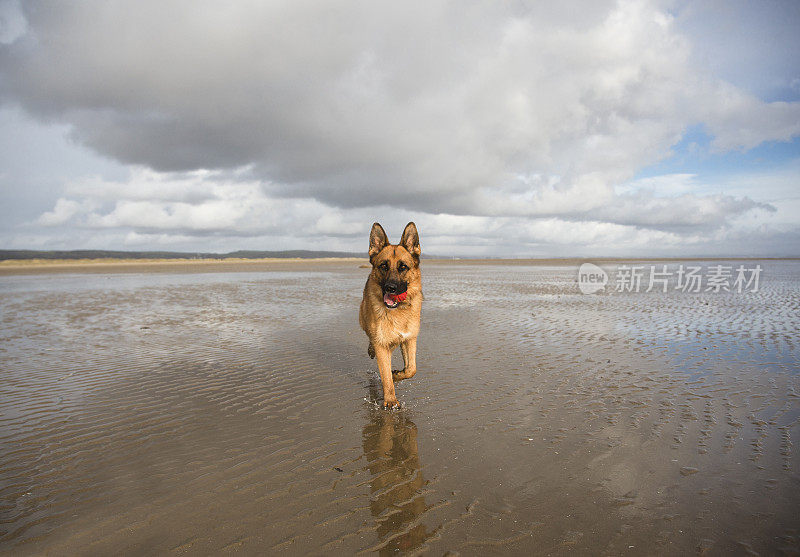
<point x="106" y="254"/>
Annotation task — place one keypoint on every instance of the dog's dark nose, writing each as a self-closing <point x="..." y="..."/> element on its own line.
<point x="395" y="287"/>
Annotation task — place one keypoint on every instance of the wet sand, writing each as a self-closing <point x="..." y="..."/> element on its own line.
<point x="210" y="412"/>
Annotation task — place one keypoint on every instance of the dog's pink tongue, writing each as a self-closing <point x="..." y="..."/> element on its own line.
<point x="389" y="300"/>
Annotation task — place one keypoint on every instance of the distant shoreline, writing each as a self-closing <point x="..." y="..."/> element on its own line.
<point x="171" y="265"/>
<point x="89" y="254"/>
<point x="230" y="264"/>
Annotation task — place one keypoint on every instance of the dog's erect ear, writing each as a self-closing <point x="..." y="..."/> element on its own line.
<point x="377" y="240"/>
<point x="410" y="239"/>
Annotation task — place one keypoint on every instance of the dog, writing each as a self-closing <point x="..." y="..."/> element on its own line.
<point x="392" y="305"/>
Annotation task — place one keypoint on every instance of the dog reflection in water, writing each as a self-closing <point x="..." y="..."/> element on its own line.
<point x="390" y="446"/>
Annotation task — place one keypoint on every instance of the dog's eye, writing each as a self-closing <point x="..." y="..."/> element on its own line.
<point x="402" y="267"/>
<point x="384" y="266"/>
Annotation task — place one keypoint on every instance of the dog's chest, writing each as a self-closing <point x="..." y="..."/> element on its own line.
<point x="394" y="328"/>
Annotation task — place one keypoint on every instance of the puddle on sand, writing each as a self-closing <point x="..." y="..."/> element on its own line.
<point x="205" y="413"/>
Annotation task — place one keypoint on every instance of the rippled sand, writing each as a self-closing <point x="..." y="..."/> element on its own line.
<point x="214" y="412"/>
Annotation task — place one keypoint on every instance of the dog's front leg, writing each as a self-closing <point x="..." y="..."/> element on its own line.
<point x="409" y="349"/>
<point x="384" y="357"/>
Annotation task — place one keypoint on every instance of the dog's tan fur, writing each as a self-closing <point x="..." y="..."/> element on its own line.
<point x="388" y="328"/>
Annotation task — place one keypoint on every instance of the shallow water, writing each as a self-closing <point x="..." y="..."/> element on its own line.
<point x="209" y="412"/>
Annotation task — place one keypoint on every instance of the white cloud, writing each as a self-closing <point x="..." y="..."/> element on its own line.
<point x="62" y="213"/>
<point x="238" y="214"/>
<point x="203" y="202"/>
<point x="741" y="121"/>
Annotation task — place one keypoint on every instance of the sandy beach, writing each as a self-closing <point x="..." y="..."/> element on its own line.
<point x="212" y="407"/>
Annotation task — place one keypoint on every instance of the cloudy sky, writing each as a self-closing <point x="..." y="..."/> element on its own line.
<point x="505" y="128"/>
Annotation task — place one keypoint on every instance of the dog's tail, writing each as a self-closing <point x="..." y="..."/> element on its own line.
<point x="371" y="351"/>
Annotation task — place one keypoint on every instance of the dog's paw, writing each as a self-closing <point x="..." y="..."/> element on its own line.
<point x="400" y="374"/>
<point x="391" y="402"/>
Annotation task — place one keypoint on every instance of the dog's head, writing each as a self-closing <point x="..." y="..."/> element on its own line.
<point x="395" y="267"/>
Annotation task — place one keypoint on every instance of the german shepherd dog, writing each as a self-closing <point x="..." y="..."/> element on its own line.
<point x="392" y="304"/>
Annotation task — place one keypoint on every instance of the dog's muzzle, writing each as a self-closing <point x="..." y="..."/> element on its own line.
<point x="393" y="300"/>
<point x="394" y="293"/>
